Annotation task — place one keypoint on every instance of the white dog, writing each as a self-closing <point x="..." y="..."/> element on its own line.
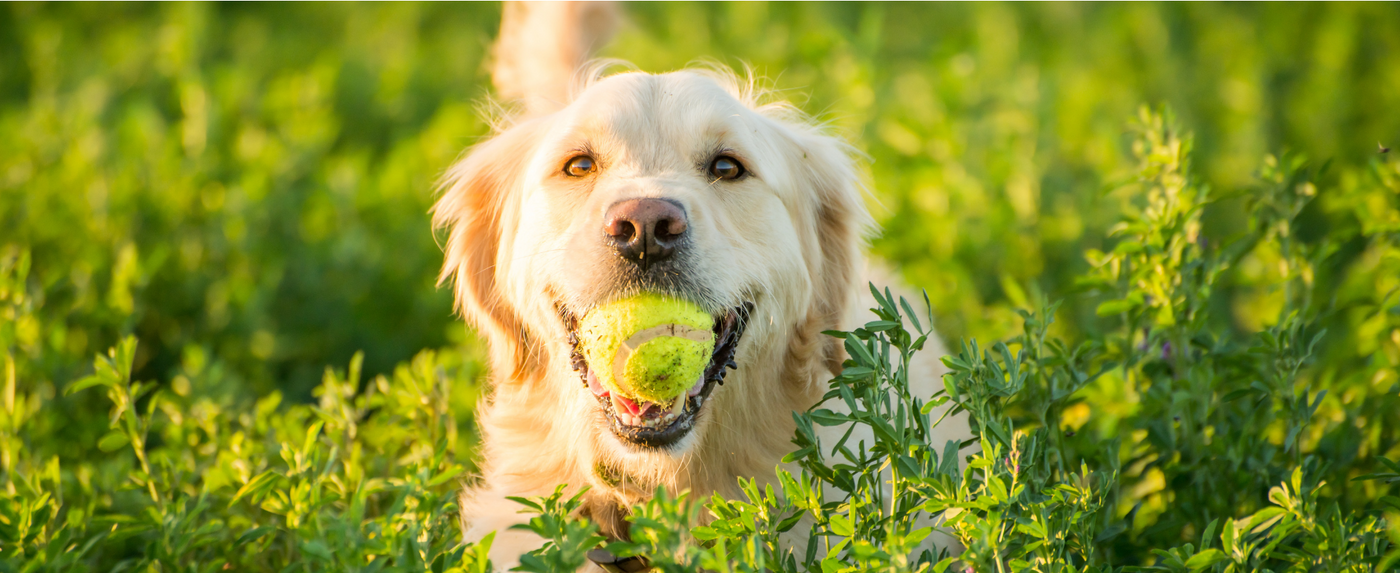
<point x="684" y="183"/>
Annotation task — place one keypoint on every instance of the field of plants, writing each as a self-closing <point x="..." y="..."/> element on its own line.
<point x="1163" y="242"/>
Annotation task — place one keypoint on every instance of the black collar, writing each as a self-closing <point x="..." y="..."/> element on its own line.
<point x="614" y="564"/>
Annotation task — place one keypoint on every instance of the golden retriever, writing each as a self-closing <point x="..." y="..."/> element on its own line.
<point x="685" y="183"/>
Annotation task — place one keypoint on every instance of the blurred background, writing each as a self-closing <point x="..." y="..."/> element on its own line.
<point x="245" y="187"/>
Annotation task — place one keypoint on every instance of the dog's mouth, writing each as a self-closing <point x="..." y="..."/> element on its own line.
<point x="652" y="425"/>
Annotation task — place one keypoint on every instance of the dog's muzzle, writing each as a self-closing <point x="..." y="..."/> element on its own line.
<point x="652" y="425"/>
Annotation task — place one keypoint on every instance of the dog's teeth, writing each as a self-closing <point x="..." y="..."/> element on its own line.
<point x="678" y="404"/>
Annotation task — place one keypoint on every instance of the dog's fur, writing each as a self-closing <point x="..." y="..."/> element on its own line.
<point x="526" y="240"/>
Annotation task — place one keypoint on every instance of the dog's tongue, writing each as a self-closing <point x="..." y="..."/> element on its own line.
<point x="595" y="386"/>
<point x="621" y="402"/>
<point x="633" y="407"/>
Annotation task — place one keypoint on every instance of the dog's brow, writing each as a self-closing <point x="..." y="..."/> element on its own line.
<point x="583" y="148"/>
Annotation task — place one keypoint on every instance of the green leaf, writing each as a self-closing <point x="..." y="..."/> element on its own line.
<point x="913" y="316"/>
<point x="881" y="325"/>
<point x="828" y="418"/>
<point x="85" y="383"/>
<point x="317" y="549"/>
<point x="113" y="441"/>
<point x="859" y="353"/>
<point x="1127" y="247"/>
<point x="1264" y="518"/>
<point x="951" y="388"/>
<point x="997" y="431"/>
<point x="908" y="467"/>
<point x="257" y="487"/>
<point x="254" y="534"/>
<point x="451" y="472"/>
<point x="799" y="454"/>
<point x="1205" y="559"/>
<point x="311" y="434"/>
<point x="1115" y="307"/>
<point x="841" y="525"/>
<point x="997" y="489"/>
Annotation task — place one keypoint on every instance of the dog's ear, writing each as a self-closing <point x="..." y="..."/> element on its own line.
<point x="842" y="223"/>
<point x="475" y="207"/>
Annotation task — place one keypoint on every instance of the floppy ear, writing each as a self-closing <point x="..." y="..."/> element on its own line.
<point x="475" y="208"/>
<point x="842" y="223"/>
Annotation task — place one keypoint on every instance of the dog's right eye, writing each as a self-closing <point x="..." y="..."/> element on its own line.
<point x="579" y="166"/>
<point x="726" y="168"/>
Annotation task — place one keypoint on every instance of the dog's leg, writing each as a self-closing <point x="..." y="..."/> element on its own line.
<point x="486" y="511"/>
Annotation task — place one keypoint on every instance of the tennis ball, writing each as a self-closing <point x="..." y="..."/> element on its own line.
<point x="647" y="347"/>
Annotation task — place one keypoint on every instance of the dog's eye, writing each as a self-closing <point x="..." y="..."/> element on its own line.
<point x="726" y="167"/>
<point x="580" y="166"/>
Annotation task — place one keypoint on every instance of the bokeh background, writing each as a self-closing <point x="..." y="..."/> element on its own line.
<point x="245" y="187"/>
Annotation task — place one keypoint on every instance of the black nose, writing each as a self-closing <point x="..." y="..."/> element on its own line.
<point x="645" y="231"/>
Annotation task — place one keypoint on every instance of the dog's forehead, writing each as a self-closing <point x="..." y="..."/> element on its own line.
<point x="669" y="107"/>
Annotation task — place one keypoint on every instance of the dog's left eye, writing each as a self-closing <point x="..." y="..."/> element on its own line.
<point x="579" y="166"/>
<point x="726" y="167"/>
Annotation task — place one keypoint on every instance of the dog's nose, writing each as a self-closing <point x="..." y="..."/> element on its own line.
<point x="645" y="231"/>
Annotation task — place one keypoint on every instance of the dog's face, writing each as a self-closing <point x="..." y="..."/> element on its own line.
<point x="651" y="183"/>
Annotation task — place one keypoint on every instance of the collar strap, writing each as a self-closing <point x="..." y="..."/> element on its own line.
<point x="614" y="564"/>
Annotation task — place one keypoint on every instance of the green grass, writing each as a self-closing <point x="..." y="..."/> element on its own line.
<point x="1199" y="310"/>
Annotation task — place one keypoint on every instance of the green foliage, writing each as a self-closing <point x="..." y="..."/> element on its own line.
<point x="361" y="479"/>
<point x="567" y="540"/>
<point x="244" y="188"/>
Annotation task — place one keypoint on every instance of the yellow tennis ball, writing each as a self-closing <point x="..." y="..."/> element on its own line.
<point x="647" y="347"/>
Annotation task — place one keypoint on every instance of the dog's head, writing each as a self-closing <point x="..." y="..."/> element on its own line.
<point x="677" y="183"/>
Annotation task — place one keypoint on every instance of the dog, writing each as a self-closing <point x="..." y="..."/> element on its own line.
<point x="604" y="185"/>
